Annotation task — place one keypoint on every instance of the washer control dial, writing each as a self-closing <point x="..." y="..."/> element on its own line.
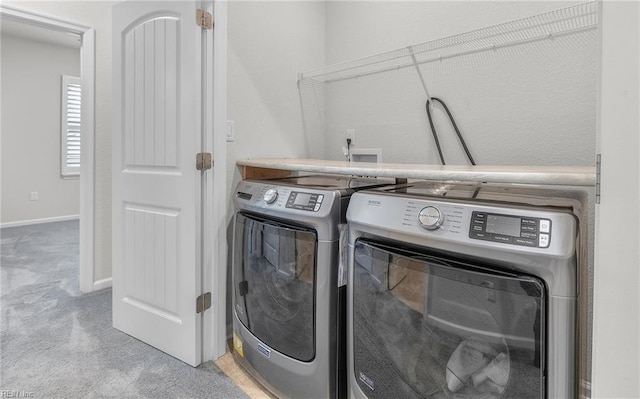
<point x="270" y="196"/>
<point x="430" y="218"/>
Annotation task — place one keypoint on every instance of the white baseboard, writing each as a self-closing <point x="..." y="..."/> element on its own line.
<point x="39" y="221"/>
<point x="102" y="284"/>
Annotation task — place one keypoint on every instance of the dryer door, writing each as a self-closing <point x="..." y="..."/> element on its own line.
<point x="429" y="327"/>
<point x="274" y="271"/>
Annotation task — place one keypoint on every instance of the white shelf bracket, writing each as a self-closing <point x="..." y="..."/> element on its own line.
<point x="424" y="85"/>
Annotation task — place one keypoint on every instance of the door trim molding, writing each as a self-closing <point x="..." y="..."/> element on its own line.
<point x="87" y="157"/>
<point x="214" y="276"/>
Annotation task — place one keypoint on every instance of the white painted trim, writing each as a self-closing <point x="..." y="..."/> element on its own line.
<point x="616" y="300"/>
<point x="41" y="20"/>
<point x="215" y="271"/>
<point x="87" y="161"/>
<point x="207" y="276"/>
<point x="102" y="284"/>
<point x="39" y="221"/>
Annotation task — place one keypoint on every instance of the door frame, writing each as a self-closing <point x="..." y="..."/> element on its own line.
<point x="87" y="156"/>
<point x="616" y="328"/>
<point x="215" y="204"/>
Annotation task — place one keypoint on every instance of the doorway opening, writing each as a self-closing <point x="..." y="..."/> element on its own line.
<point x="32" y="22"/>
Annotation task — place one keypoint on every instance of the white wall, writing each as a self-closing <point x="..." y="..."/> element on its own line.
<point x="95" y="14"/>
<point x="532" y="104"/>
<point x="269" y="43"/>
<point x="31" y="110"/>
<point x="616" y="335"/>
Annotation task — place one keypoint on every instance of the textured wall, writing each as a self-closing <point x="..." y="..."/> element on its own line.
<point x="269" y="43"/>
<point x="31" y="110"/>
<point x="533" y="104"/>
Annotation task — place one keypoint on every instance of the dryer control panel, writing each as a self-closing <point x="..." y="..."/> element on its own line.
<point x="259" y="196"/>
<point x="510" y="229"/>
<point x="304" y="201"/>
<point x="470" y="227"/>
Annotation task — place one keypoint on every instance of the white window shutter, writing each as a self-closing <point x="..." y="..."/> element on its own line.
<point x="70" y="126"/>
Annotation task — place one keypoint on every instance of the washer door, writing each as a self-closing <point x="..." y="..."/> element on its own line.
<point x="274" y="271"/>
<point x="429" y="327"/>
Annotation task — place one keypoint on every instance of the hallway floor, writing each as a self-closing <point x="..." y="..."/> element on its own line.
<point x="56" y="342"/>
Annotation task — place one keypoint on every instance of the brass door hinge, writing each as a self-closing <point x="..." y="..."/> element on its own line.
<point x="203" y="302"/>
<point x="204" y="19"/>
<point x="203" y="161"/>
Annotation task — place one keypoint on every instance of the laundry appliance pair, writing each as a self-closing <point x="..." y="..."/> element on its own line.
<point x="454" y="290"/>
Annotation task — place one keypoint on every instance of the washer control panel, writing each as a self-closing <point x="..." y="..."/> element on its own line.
<point x="430" y="218"/>
<point x="304" y="201"/>
<point x="281" y="198"/>
<point x="509" y="229"/>
<point x="270" y="196"/>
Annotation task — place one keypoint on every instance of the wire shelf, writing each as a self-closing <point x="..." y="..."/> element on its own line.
<point x="562" y="22"/>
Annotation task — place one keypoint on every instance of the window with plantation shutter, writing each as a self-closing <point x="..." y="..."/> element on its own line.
<point x="70" y="143"/>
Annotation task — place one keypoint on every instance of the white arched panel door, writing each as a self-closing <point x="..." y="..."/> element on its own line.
<point x="156" y="187"/>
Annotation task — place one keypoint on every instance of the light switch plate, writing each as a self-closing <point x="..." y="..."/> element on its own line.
<point x="231" y="130"/>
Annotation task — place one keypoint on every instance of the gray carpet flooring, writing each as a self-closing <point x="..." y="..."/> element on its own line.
<point x="58" y="343"/>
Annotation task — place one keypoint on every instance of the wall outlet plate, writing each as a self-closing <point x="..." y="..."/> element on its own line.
<point x="350" y="134"/>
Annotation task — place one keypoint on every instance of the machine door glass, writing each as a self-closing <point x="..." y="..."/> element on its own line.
<point x="274" y="284"/>
<point x="429" y="327"/>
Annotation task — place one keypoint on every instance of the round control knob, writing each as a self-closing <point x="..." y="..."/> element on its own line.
<point x="270" y="196"/>
<point x="430" y="218"/>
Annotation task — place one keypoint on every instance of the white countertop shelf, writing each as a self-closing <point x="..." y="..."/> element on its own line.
<point x="537" y="175"/>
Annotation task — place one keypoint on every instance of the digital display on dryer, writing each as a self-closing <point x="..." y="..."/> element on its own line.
<point x="498" y="224"/>
<point x="302" y="199"/>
